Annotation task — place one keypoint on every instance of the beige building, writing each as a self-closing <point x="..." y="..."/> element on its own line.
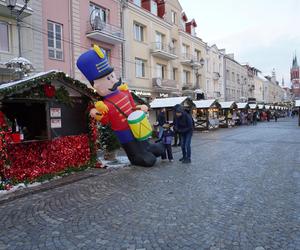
<point x="31" y="46"/>
<point x="273" y="93"/>
<point x="162" y="54"/>
<point x="235" y="79"/>
<point x="214" y="81"/>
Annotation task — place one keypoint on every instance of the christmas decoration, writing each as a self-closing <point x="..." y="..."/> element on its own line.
<point x="108" y="142"/>
<point x="49" y="90"/>
<point x="116" y="107"/>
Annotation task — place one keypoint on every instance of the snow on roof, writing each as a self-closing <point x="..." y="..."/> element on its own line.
<point x="226" y="105"/>
<point x="252" y="105"/>
<point x="297" y="103"/>
<point x="167" y="102"/>
<point x="242" y="105"/>
<point x="13" y="83"/>
<point x="204" y="103"/>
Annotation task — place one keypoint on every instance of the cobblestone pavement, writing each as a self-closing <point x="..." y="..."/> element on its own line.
<point x="240" y="192"/>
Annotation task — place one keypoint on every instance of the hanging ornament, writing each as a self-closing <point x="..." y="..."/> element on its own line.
<point x="49" y="90"/>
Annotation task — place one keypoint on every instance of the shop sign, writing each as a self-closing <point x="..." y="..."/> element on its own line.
<point x="55" y="123"/>
<point x="163" y="95"/>
<point x="55" y="112"/>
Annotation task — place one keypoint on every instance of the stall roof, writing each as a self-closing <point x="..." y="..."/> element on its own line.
<point x="167" y="102"/>
<point x="267" y="106"/>
<point x="260" y="106"/>
<point x="7" y="89"/>
<point x="228" y="105"/>
<point x="297" y="103"/>
<point x="252" y="105"/>
<point x="205" y="103"/>
<point x="242" y="105"/>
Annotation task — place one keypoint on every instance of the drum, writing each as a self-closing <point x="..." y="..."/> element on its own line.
<point x="139" y="125"/>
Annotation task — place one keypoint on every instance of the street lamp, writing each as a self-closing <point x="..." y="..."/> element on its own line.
<point x="11" y="4"/>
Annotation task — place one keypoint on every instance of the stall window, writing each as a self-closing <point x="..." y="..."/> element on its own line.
<point x="24" y="117"/>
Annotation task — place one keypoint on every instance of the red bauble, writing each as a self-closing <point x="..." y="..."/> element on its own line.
<point x="49" y="90"/>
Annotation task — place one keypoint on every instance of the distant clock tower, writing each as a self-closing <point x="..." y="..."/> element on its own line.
<point x="295" y="78"/>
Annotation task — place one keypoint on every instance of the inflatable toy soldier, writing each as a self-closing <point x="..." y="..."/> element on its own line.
<point x="128" y="121"/>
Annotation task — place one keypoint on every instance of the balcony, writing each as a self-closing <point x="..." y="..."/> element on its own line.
<point x="163" y="51"/>
<point x="164" y="84"/>
<point x="5" y="12"/>
<point x="216" y="76"/>
<point x="104" y="32"/>
<point x="192" y="61"/>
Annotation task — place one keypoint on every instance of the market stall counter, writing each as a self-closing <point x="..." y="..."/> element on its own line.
<point x="228" y="114"/>
<point x="206" y="114"/>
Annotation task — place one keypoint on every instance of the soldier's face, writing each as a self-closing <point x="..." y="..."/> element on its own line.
<point x="105" y="84"/>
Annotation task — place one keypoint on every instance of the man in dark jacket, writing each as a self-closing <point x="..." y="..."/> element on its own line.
<point x="184" y="124"/>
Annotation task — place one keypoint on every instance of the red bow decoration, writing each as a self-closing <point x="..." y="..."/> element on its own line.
<point x="49" y="90"/>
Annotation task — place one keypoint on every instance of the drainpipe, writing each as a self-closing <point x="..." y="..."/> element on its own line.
<point x="71" y="46"/>
<point x="122" y="7"/>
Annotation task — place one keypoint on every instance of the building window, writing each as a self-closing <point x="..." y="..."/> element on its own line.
<point x="173" y="16"/>
<point x="154" y="7"/>
<point x="174" y="74"/>
<point x="186" y="77"/>
<point x="55" y="47"/>
<point x="159" y="39"/>
<point x="198" y="55"/>
<point x="185" y="49"/>
<point x="232" y="76"/>
<point x="207" y="65"/>
<point x="160" y="71"/>
<point x="138" y="32"/>
<point x="227" y="75"/>
<point x="99" y="12"/>
<point x="4" y="37"/>
<point x="138" y="2"/>
<point x="140" y="67"/>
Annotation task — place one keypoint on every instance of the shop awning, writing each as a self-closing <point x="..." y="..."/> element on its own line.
<point x="260" y="106"/>
<point x="297" y="103"/>
<point x="167" y="102"/>
<point x="253" y="106"/>
<point x="242" y="105"/>
<point x="228" y="105"/>
<point x="206" y="103"/>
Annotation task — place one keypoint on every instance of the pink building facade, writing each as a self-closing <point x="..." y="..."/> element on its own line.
<point x="74" y="26"/>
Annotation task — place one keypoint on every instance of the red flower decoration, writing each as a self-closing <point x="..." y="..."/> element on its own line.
<point x="49" y="90"/>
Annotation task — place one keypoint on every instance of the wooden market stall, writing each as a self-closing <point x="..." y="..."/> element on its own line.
<point x="243" y="108"/>
<point x="168" y="104"/>
<point x="228" y="114"/>
<point x="48" y="127"/>
<point x="253" y="106"/>
<point x="206" y="114"/>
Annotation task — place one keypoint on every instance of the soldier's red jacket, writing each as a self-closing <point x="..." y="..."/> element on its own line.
<point x="123" y="99"/>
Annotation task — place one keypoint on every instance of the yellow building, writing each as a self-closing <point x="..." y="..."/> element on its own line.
<point x="162" y="54"/>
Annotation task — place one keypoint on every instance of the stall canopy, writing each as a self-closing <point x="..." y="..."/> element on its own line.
<point x="297" y="103"/>
<point x="253" y="106"/>
<point x="267" y="107"/>
<point x="242" y="105"/>
<point x="167" y="102"/>
<point x="205" y="104"/>
<point x="260" y="106"/>
<point x="228" y="105"/>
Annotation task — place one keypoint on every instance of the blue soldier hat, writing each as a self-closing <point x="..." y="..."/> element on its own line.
<point x="94" y="64"/>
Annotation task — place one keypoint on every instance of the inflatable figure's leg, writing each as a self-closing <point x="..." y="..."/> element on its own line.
<point x="138" y="155"/>
<point x="157" y="149"/>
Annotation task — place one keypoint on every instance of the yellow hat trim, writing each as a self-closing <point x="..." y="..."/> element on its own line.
<point x="98" y="51"/>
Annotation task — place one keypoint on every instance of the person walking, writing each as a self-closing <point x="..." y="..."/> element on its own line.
<point x="254" y="118"/>
<point x="184" y="124"/>
<point x="276" y="116"/>
<point x="161" y="120"/>
<point x="166" y="139"/>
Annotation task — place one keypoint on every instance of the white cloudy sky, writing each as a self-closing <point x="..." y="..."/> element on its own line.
<point x="263" y="33"/>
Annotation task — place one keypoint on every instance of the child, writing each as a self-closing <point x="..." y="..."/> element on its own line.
<point x="166" y="139"/>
